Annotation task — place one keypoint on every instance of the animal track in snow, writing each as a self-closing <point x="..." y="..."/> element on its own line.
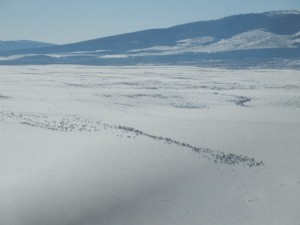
<point x="77" y="123"/>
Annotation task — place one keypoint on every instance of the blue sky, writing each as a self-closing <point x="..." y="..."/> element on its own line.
<point x="66" y="21"/>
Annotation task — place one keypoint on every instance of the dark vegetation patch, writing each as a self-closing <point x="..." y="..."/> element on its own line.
<point x="79" y="124"/>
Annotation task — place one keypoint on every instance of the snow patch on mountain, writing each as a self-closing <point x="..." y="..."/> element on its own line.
<point x="113" y="56"/>
<point x="282" y="12"/>
<point x="12" y="57"/>
<point x="254" y="39"/>
<point x="195" y="41"/>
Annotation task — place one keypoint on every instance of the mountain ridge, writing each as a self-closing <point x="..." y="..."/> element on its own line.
<point x="244" y="32"/>
<point x="22" y="44"/>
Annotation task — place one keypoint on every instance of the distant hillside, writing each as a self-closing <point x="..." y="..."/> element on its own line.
<point x="20" y="45"/>
<point x="256" y="37"/>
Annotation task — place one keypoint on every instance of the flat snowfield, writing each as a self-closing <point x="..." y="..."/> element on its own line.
<point x="149" y="145"/>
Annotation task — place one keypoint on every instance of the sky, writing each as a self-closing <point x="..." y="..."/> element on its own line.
<point x="69" y="21"/>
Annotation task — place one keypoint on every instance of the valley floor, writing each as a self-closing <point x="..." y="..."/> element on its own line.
<point x="149" y="145"/>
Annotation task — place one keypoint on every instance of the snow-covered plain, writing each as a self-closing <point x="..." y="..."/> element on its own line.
<point x="149" y="145"/>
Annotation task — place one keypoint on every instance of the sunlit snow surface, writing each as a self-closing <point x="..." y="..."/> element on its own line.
<point x="149" y="145"/>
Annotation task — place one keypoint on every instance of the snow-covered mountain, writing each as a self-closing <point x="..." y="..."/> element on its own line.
<point x="257" y="37"/>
